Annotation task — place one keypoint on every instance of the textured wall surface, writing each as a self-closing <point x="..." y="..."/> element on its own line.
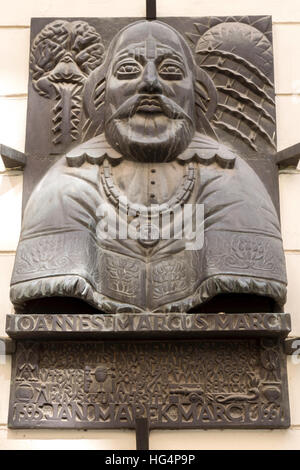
<point x="14" y="52"/>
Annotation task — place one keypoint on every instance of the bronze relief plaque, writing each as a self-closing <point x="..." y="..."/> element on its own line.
<point x="131" y="122"/>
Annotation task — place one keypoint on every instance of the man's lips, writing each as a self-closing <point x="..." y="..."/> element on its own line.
<point x="149" y="105"/>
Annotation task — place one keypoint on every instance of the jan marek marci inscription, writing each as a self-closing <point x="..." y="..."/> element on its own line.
<point x="150" y="206"/>
<point x="175" y="384"/>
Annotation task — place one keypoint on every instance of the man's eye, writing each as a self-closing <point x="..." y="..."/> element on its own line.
<point x="127" y="71"/>
<point x="171" y="72"/>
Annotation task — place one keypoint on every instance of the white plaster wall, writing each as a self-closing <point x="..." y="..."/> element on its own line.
<point x="14" y="52"/>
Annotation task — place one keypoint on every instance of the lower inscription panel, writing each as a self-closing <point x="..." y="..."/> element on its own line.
<point x="231" y="383"/>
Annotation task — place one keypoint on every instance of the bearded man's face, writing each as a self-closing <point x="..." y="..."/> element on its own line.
<point x="149" y="95"/>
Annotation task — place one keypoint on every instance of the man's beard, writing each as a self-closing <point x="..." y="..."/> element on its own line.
<point x="149" y="128"/>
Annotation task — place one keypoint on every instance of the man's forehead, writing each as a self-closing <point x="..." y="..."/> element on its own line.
<point x="151" y="38"/>
<point x="149" y="49"/>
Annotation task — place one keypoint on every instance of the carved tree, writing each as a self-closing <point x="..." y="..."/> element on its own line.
<point x="63" y="55"/>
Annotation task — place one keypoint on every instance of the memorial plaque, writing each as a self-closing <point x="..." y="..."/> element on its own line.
<point x="150" y="280"/>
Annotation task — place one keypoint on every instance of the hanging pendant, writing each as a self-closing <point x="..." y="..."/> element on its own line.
<point x="149" y="234"/>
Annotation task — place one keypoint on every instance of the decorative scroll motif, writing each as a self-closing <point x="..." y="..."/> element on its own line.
<point x="122" y="276"/>
<point x="43" y="256"/>
<point x="51" y="253"/>
<point x="236" y="52"/>
<point x="204" y="384"/>
<point x="248" y="252"/>
<point x="245" y="252"/>
<point x="63" y="55"/>
<point x="169" y="277"/>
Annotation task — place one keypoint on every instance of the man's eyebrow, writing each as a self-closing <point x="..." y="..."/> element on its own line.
<point x="169" y="53"/>
<point x="130" y="51"/>
<point x="123" y="54"/>
<point x="138" y="52"/>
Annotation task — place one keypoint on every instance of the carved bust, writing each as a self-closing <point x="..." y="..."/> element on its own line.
<point x="149" y="107"/>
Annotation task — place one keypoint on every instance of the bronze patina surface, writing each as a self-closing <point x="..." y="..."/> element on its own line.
<point x="141" y="115"/>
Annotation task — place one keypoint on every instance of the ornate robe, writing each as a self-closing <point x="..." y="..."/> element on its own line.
<point x="61" y="253"/>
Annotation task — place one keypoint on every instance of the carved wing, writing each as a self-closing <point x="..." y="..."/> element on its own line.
<point x="237" y="55"/>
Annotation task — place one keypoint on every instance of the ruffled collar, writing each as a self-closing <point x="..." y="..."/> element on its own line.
<point x="202" y="149"/>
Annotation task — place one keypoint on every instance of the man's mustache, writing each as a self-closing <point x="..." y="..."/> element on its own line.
<point x="168" y="107"/>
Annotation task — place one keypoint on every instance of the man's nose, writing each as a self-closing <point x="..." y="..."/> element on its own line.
<point x="150" y="81"/>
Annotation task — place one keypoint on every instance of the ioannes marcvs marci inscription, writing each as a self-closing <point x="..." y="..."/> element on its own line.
<point x="172" y="324"/>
